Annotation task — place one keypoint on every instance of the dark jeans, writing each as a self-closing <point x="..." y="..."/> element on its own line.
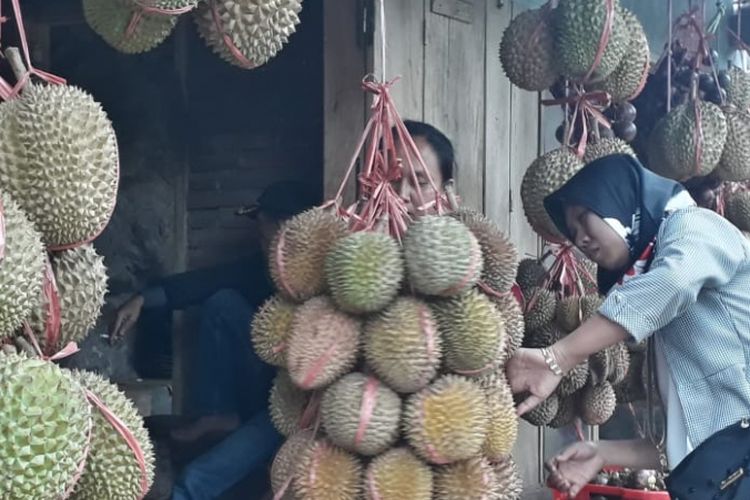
<point x="229" y="377"/>
<point x="225" y="375"/>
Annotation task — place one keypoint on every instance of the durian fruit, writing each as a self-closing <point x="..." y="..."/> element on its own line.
<point x="580" y="24"/>
<point x="112" y="471"/>
<point x="530" y="275"/>
<point x="738" y="90"/>
<point x="572" y="311"/>
<point x="527" y="50"/>
<point x="398" y="474"/>
<point x="601" y="365"/>
<point x="364" y="271"/>
<point x="59" y="161"/>
<point x="620" y="363"/>
<point x="257" y="30"/>
<point x="515" y="327"/>
<point x="287" y="461"/>
<point x="597" y="403"/>
<point x="735" y="159"/>
<point x="299" y="250"/>
<point x="542" y="311"/>
<point x="111" y="20"/>
<point x="574" y="380"/>
<point x="44" y="425"/>
<point x="472" y="479"/>
<point x="675" y="141"/>
<point x="447" y="421"/>
<point x="605" y="147"/>
<point x="443" y="257"/>
<point x="632" y="388"/>
<point x="326" y="472"/>
<point x="402" y="345"/>
<point x="323" y="344"/>
<point x="503" y="422"/>
<point x="473" y="333"/>
<point x="21" y="269"/>
<point x="498" y="252"/>
<point x="544" y="413"/>
<point x="508" y="479"/>
<point x="738" y="210"/>
<point x="287" y="404"/>
<point x="270" y="330"/>
<point x="81" y="285"/>
<point x="360" y="414"/>
<point x="544" y="176"/>
<point x="544" y="336"/>
<point x="629" y="78"/>
<point x="566" y="412"/>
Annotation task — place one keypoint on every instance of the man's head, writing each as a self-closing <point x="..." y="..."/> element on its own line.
<point x="278" y="202"/>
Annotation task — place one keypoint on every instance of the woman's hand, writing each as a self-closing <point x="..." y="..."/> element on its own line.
<point x="575" y="467"/>
<point x="528" y="372"/>
<point x="126" y="318"/>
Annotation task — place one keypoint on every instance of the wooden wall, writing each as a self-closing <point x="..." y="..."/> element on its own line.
<point x="451" y="77"/>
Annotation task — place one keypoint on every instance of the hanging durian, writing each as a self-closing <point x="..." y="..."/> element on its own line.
<point x="44" y="428"/>
<point x="738" y="210"/>
<point x="545" y="175"/>
<point x="735" y="158"/>
<point x="398" y="474"/>
<point x="270" y="330"/>
<point x="112" y="471"/>
<point x="59" y="161"/>
<point x="579" y="28"/>
<point x="126" y="27"/>
<point x="247" y="33"/>
<point x="299" y="250"/>
<point x="402" y="345"/>
<point x="443" y="257"/>
<point x="527" y="50"/>
<point x="472" y="479"/>
<point x="21" y="269"/>
<point x="364" y="271"/>
<point x="327" y="472"/>
<point x="82" y="285"/>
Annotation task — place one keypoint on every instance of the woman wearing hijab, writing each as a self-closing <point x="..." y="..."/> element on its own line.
<point x="673" y="273"/>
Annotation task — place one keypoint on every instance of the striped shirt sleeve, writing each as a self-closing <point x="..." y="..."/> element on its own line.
<point x="696" y="249"/>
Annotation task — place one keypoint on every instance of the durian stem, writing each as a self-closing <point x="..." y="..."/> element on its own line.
<point x="25" y="346"/>
<point x="16" y="62"/>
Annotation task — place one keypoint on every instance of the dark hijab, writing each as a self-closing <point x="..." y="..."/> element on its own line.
<point x="617" y="187"/>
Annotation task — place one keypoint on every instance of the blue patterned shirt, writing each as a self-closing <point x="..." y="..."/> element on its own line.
<point x="696" y="297"/>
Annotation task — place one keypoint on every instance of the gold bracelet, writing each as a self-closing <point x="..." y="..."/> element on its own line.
<point x="549" y="358"/>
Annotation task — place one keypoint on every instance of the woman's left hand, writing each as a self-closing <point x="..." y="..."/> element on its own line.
<point x="528" y="372"/>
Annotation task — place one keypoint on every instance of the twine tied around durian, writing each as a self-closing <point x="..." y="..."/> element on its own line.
<point x="8" y="91"/>
<point x="143" y="8"/>
<point x="227" y="40"/>
<point x="565" y="275"/>
<point x="122" y="429"/>
<point x="606" y="33"/>
<point x="587" y="106"/>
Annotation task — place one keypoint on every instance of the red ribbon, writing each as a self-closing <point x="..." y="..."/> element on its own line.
<point x="565" y="275"/>
<point x="53" y="318"/>
<point x="585" y="106"/>
<point x="6" y="93"/>
<point x="142" y="7"/>
<point x="228" y="42"/>
<point x="603" y="38"/>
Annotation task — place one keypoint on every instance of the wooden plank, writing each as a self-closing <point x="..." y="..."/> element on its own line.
<point x="343" y="100"/>
<point x="454" y="96"/>
<point x="460" y="10"/>
<point x="404" y="50"/>
<point x="497" y="121"/>
<point x="524" y="142"/>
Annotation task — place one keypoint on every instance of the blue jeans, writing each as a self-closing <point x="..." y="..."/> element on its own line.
<point x="226" y="376"/>
<point x="246" y="450"/>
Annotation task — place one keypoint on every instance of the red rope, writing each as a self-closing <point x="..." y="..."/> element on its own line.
<point x="698" y="137"/>
<point x="603" y="38"/>
<point x="587" y="106"/>
<point x="142" y="8"/>
<point x="53" y="318"/>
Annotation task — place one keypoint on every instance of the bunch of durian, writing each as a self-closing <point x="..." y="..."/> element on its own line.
<point x="394" y="354"/>
<point x="245" y="33"/>
<point x="589" y="390"/>
<point x="584" y="43"/>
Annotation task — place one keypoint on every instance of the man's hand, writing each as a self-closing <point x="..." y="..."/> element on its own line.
<point x="575" y="467"/>
<point x="528" y="372"/>
<point x="126" y="318"/>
